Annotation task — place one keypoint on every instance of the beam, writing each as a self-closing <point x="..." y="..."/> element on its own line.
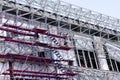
<point x="36" y="75"/>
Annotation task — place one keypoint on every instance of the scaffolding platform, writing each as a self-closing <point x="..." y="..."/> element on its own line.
<point x="31" y="30"/>
<point x="35" y="43"/>
<point x="45" y="73"/>
<point x="30" y="58"/>
<point x="25" y="29"/>
<point x="35" y="75"/>
<point x="39" y="74"/>
<point x="4" y="37"/>
<point x="16" y="32"/>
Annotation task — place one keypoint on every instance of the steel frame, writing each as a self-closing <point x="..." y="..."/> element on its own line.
<point x="67" y="16"/>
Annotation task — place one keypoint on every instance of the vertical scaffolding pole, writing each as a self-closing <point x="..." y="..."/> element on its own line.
<point x="11" y="68"/>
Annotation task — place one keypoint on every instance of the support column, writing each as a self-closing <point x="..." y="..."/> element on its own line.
<point x="100" y="53"/>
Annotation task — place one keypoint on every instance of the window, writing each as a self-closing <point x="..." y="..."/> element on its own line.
<point x="41" y="54"/>
<point x="46" y="53"/>
<point x="118" y="65"/>
<point x="82" y="62"/>
<point x="112" y="64"/>
<point x="87" y="59"/>
<point x="70" y="63"/>
<point x="94" y="60"/>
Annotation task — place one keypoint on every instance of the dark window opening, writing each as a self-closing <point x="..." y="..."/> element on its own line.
<point x="70" y="63"/>
<point x="109" y="64"/>
<point x="81" y="58"/>
<point x="87" y="59"/>
<point x="41" y="54"/>
<point x="112" y="64"/>
<point x="93" y="60"/>
<point x="118" y="64"/>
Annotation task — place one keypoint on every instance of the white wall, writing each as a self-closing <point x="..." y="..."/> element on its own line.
<point x="83" y="42"/>
<point x="100" y="53"/>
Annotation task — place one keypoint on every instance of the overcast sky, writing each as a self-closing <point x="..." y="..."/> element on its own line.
<point x="107" y="7"/>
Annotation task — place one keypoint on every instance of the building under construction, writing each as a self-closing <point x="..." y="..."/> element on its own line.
<point x="54" y="40"/>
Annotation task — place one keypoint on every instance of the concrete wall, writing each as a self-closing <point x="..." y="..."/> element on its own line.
<point x="98" y="44"/>
<point x="92" y="74"/>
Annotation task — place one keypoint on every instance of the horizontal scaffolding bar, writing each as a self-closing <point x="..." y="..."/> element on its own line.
<point x="16" y="32"/>
<point x="24" y="79"/>
<point x="35" y="75"/>
<point x="29" y="58"/>
<point x="35" y="43"/>
<point x="4" y="37"/>
<point x="21" y="28"/>
<point x="33" y="30"/>
<point x="47" y="73"/>
<point x="39" y="44"/>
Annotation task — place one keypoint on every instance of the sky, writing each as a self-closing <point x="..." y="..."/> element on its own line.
<point x="107" y="7"/>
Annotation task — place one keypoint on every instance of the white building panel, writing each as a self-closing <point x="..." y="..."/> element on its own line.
<point x="83" y="43"/>
<point x="113" y="52"/>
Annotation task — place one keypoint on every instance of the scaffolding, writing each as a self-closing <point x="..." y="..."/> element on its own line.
<point x="15" y="35"/>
